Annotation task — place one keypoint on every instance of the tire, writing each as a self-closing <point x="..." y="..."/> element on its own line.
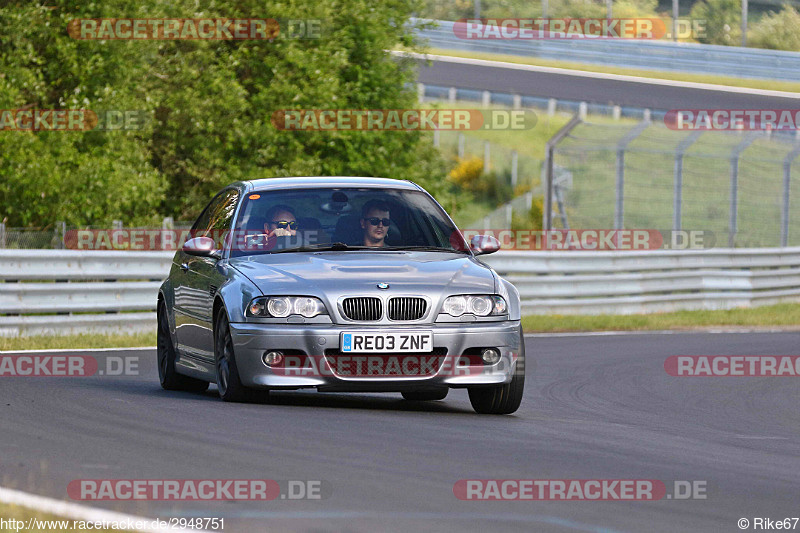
<point x="501" y="399"/>
<point x="229" y="383"/>
<point x="426" y="396"/>
<point x="165" y="351"/>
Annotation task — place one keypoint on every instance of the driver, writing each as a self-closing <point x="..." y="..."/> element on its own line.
<point x="281" y="222"/>
<point x="375" y="223"/>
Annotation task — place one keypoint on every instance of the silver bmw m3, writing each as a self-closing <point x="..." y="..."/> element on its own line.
<point x="340" y="284"/>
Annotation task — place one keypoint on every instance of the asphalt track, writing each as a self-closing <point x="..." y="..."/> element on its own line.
<point x="582" y="88"/>
<point x="596" y="407"/>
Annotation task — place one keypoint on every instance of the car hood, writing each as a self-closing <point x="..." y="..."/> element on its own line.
<point x="331" y="274"/>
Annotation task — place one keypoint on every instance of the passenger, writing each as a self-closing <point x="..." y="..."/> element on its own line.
<point x="375" y="223"/>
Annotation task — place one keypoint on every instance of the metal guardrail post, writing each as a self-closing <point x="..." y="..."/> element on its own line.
<point x="547" y="215"/>
<point x="787" y="176"/>
<point x="420" y="92"/>
<point x="619" y="204"/>
<point x="451" y="95"/>
<point x="677" y="202"/>
<point x="734" y="208"/>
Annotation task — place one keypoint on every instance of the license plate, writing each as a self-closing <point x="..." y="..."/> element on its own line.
<point x="401" y="341"/>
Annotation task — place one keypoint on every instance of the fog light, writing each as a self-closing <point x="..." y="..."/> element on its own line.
<point x="490" y="356"/>
<point x="272" y="358"/>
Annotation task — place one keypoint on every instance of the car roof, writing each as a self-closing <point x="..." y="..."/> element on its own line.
<point x="303" y="182"/>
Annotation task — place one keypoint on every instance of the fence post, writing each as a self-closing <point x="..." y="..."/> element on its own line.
<point x="734" y="204"/>
<point x="486" y="99"/>
<point x="487" y="154"/>
<point x="2" y="234"/>
<point x="60" y="234"/>
<point x="677" y="201"/>
<point x="420" y="92"/>
<point x="619" y="188"/>
<point x="436" y="138"/>
<point x="461" y="140"/>
<point x="451" y="95"/>
<point x="787" y="176"/>
<point x="529" y="199"/>
<point x="550" y="147"/>
<point x="514" y="168"/>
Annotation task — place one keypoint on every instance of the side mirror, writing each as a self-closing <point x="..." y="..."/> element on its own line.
<point x="203" y="247"/>
<point x="484" y="244"/>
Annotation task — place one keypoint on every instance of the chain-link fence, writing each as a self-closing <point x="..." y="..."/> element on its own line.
<point x="738" y="185"/>
<point x="61" y="236"/>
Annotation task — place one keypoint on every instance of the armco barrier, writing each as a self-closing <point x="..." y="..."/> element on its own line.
<point x="650" y="55"/>
<point x="61" y="292"/>
<point x="651" y="281"/>
<point x="67" y="292"/>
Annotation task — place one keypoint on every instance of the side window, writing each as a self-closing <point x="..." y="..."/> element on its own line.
<point x="217" y="216"/>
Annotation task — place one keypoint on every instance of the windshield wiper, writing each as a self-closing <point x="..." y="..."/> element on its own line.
<point x="426" y="249"/>
<point x="333" y="247"/>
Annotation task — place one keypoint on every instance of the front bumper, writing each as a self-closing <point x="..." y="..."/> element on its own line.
<point x="252" y="340"/>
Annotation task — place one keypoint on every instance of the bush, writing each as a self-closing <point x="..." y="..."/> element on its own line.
<point x="777" y="31"/>
<point x="723" y="21"/>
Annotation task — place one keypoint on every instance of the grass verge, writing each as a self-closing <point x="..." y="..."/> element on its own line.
<point x="77" y="342"/>
<point x="676" y="76"/>
<point x="780" y="315"/>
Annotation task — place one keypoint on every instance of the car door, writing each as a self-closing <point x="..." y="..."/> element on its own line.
<point x="199" y="278"/>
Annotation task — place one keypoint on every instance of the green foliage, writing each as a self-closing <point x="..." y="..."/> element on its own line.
<point x="532" y="220"/>
<point x="723" y="21"/>
<point x="777" y="31"/>
<point x="210" y="104"/>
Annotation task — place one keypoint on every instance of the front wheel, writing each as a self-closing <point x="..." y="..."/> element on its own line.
<point x="165" y="352"/>
<point x="501" y="399"/>
<point x="229" y="383"/>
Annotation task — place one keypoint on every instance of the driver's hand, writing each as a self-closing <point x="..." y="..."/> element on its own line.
<point x="281" y="232"/>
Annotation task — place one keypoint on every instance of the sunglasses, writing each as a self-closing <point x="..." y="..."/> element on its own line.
<point x="284" y="224"/>
<point x="375" y="221"/>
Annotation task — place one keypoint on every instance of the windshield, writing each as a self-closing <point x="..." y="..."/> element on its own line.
<point x="341" y="219"/>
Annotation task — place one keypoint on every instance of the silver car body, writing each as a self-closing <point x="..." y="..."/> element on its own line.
<point x="200" y="287"/>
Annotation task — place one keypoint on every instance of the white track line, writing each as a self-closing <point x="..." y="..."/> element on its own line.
<point x="75" y="511"/>
<point x="81" y="350"/>
<point x="600" y="75"/>
<point x="715" y="331"/>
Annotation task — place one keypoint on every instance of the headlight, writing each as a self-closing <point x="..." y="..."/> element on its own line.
<point x="474" y="304"/>
<point x="283" y="306"/>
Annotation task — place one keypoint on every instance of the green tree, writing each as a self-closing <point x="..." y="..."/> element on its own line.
<point x="723" y="21"/>
<point x="777" y="31"/>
